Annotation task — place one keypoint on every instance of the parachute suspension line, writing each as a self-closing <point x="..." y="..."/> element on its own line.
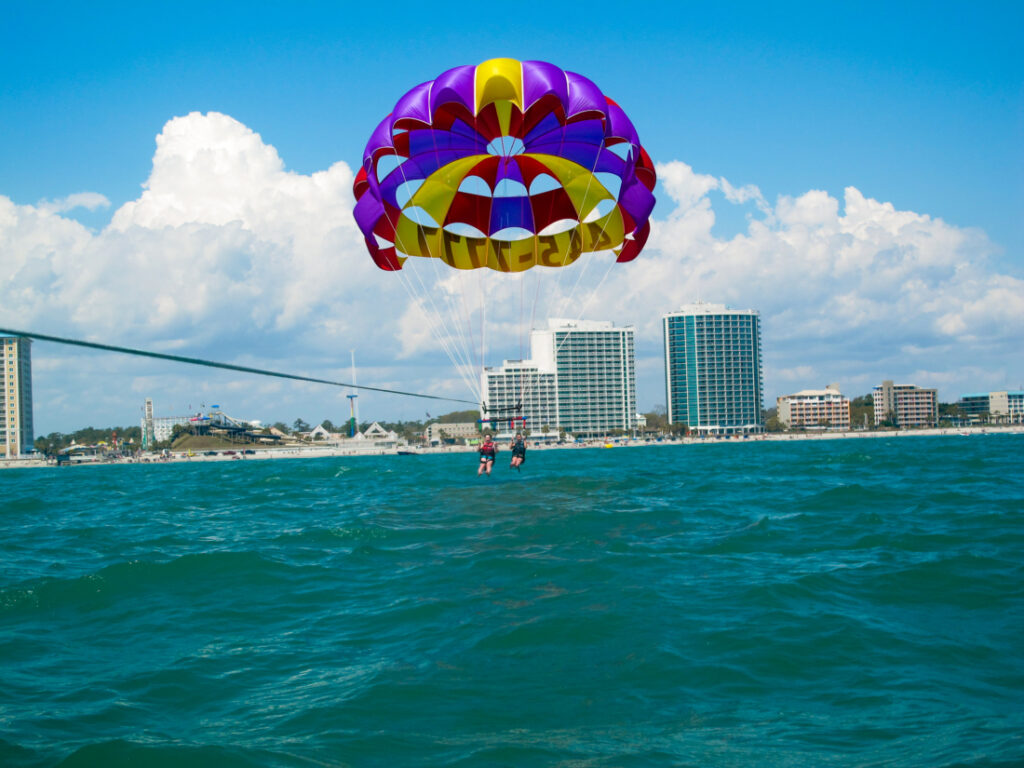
<point x="483" y="323"/>
<point x="467" y="337"/>
<point x="435" y="330"/>
<point x="581" y="271"/>
<point x="583" y="308"/>
<point x="585" y="267"/>
<point x="462" y="319"/>
<point x="479" y="288"/>
<point x="590" y="298"/>
<point x="456" y="297"/>
<point x="437" y="322"/>
<point x="222" y="366"/>
<point x="565" y="255"/>
<point x="536" y="295"/>
<point x="522" y="281"/>
<point x="460" y="309"/>
<point x="461" y="336"/>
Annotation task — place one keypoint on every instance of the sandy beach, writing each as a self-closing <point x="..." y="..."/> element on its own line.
<point x="321" y="451"/>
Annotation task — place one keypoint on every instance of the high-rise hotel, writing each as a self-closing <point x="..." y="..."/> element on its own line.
<point x="713" y="369"/>
<point x="581" y="377"/>
<point x="15" y="396"/>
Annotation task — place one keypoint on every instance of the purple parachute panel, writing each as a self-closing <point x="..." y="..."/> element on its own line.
<point x="466" y="149"/>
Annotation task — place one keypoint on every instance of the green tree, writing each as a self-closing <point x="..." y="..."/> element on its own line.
<point x="50" y="444"/>
<point x="56" y="441"/>
<point x="657" y="419"/>
<point x="678" y="429"/>
<point x="299" y="425"/>
<point x="862" y="411"/>
<point x="458" y="417"/>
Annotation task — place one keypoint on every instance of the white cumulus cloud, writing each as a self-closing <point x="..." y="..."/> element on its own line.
<point x="842" y="284"/>
<point x="91" y="201"/>
<point x="228" y="255"/>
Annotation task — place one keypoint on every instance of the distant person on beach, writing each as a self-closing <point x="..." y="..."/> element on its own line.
<point x="487" y="451"/>
<point x="518" y="451"/>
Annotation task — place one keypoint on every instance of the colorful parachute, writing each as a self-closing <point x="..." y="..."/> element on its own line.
<point x="506" y="165"/>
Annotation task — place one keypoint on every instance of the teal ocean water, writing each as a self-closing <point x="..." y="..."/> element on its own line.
<point x="839" y="603"/>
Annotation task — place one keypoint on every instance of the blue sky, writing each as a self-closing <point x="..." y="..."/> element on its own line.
<point x="917" y="105"/>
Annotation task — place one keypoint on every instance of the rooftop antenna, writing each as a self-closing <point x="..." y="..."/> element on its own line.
<point x="353" y="412"/>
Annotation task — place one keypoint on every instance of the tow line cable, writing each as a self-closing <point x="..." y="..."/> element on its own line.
<point x="225" y="366"/>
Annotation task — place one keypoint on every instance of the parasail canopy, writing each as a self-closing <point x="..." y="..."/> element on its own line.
<point x="507" y="165"/>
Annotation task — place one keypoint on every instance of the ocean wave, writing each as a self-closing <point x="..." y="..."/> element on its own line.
<point x="765" y="603"/>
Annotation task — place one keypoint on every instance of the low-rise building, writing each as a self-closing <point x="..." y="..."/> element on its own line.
<point x="374" y="436"/>
<point x="319" y="432"/>
<point x="905" y="405"/>
<point x="815" y="409"/>
<point x="438" y="432"/>
<point x="378" y="436"/>
<point x="1002" y="407"/>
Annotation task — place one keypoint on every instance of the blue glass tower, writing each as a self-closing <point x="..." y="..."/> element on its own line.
<point x="713" y="369"/>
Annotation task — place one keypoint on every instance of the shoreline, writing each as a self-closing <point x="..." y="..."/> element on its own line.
<point x="317" y="452"/>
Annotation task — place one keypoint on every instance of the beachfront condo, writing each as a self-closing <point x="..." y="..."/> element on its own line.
<point x="15" y="396"/>
<point x="904" y="405"/>
<point x="815" y="409"/>
<point x="1002" y="407"/>
<point x="581" y="378"/>
<point x="713" y="369"/>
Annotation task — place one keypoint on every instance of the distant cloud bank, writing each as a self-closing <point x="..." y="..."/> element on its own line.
<point x="228" y="253"/>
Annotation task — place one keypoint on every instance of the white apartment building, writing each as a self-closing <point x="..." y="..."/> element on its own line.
<point x="581" y="377"/>
<point x="163" y="426"/>
<point x="520" y="390"/>
<point x="159" y="428"/>
<point x="815" y="409"/>
<point x="16" y="435"/>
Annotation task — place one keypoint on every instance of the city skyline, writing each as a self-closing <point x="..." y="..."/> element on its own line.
<point x="862" y="195"/>
<point x="712" y="378"/>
